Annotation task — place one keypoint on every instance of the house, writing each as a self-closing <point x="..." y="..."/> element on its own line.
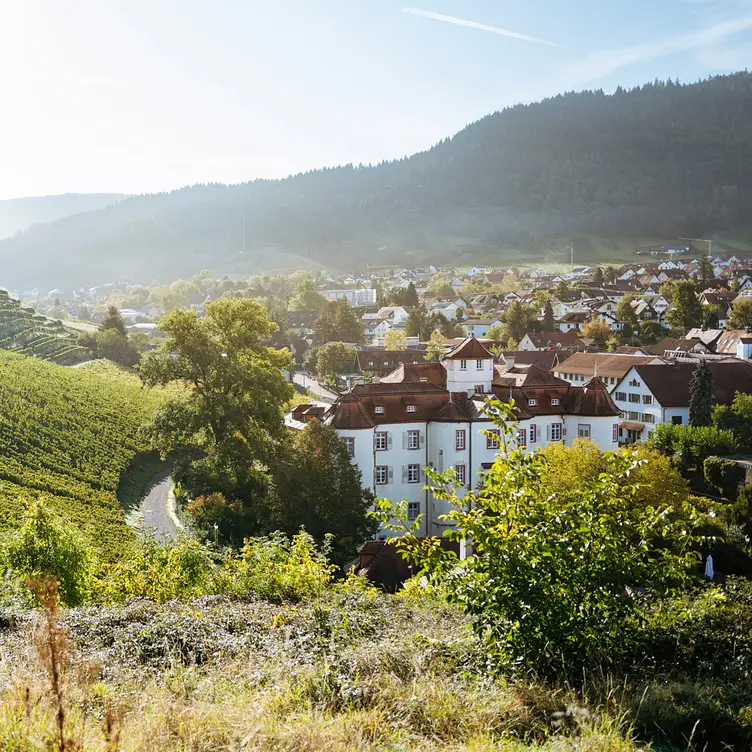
<point x="670" y="347"/>
<point x="479" y="327"/>
<point x="360" y="297"/>
<point x="380" y="362"/>
<point x="580" y="367"/>
<point x="545" y="359"/>
<point x="572" y="321"/>
<point x="549" y="341"/>
<point x="650" y="394"/>
<point x="431" y="415"/>
<point x="302" y="322"/>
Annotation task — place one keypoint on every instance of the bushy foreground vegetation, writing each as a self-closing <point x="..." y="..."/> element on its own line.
<point x="66" y="436"/>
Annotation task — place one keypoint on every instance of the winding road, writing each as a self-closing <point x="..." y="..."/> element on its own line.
<point x="158" y="507"/>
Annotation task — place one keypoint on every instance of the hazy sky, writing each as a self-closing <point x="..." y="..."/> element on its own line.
<point x="147" y="95"/>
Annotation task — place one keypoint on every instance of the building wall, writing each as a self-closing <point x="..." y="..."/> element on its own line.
<point x="466" y="381"/>
<point x="646" y="410"/>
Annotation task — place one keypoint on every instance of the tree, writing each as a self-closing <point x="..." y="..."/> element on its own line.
<point x="439" y="286"/>
<point x="311" y="362"/>
<point x="112" y="345"/>
<point x="741" y="313"/>
<point x="436" y="349"/>
<point x="395" y="340"/>
<point x="706" y="274"/>
<point x="611" y="274"/>
<point x="598" y="277"/>
<point x="416" y="323"/>
<point x="667" y="290"/>
<point x="737" y="418"/>
<point x="612" y="343"/>
<point x="625" y="313"/>
<point x="686" y="310"/>
<point x="337" y="323"/>
<point x="410" y="299"/>
<point x="596" y="329"/>
<point x="518" y="320"/>
<point x="548" y="318"/>
<point x="546" y="583"/>
<point x="561" y="291"/>
<point x="307" y="298"/>
<point x="225" y="428"/>
<point x="334" y="358"/>
<point x="113" y="320"/>
<point x="320" y="489"/>
<point x="498" y="333"/>
<point x="701" y="395"/>
<point x="689" y="446"/>
<point x="45" y="548"/>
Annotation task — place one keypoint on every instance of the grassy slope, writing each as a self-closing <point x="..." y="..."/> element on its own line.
<point x="66" y="434"/>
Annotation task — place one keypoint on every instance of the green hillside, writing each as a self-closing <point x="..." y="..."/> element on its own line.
<point x="66" y="435"/>
<point x="24" y="331"/>
<point x="658" y="161"/>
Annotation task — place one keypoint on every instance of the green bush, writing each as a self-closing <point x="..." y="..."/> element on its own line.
<point x="45" y="548"/>
<point x="722" y="476"/>
<point x="689" y="446"/>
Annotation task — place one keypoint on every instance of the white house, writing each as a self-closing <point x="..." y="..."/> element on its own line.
<point x="430" y="415"/>
<point x="479" y="327"/>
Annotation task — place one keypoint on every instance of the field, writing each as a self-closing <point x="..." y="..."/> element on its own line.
<point x="66" y="435"/>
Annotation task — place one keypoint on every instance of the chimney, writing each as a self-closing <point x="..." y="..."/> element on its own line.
<point x="510" y="360"/>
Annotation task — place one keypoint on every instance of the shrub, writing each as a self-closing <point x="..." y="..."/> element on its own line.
<point x="688" y="446"/>
<point x="46" y="548"/>
<point x="723" y="476"/>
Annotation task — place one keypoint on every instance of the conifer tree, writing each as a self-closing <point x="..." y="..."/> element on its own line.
<point x="701" y="395"/>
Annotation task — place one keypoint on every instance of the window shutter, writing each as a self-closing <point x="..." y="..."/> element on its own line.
<point x="548" y="432"/>
<point x="389" y="440"/>
<point x="533" y="434"/>
<point x="404" y="473"/>
<point x="391" y="474"/>
<point x="422" y="472"/>
<point x="404" y="439"/>
<point x="563" y="430"/>
<point x="422" y="439"/>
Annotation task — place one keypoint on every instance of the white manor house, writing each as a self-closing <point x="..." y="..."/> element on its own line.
<point x="430" y="415"/>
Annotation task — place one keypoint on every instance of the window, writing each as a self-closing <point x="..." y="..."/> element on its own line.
<point x="382" y="441"/>
<point x="459" y="471"/>
<point x="648" y="418"/>
<point x="459" y="440"/>
<point x="647" y="399"/>
<point x="634" y="382"/>
<point x="382" y="475"/>
<point x="676" y="420"/>
<point x="413" y="439"/>
<point x="463" y="365"/>
<point x="411" y="408"/>
<point x="615" y="433"/>
<point x="413" y="473"/>
<point x="479" y="389"/>
<point x="556" y="432"/>
<point x="492" y="439"/>
<point x="379" y="409"/>
<point x="349" y="443"/>
<point x="532" y="402"/>
<point x="413" y="510"/>
<point x="555" y="402"/>
<point x="522" y="438"/>
<point x="533" y="434"/>
<point x="620" y="396"/>
<point x="632" y="415"/>
<point x="583" y="431"/>
<point x="479" y="365"/>
<point x="634" y="398"/>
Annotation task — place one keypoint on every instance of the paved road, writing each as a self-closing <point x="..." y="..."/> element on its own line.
<point x="157" y="507"/>
<point x="318" y="389"/>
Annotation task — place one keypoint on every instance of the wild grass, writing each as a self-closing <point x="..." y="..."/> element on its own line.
<point x="352" y="670"/>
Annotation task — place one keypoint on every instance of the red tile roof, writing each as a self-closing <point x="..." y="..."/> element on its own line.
<point x="467" y="349"/>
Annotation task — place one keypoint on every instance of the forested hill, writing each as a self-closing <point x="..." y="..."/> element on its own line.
<point x="19" y="214"/>
<point x="661" y="160"/>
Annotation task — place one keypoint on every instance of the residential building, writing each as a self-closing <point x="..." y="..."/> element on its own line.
<point x="431" y="415"/>
<point x="363" y="296"/>
<point x="580" y="367"/>
<point x="479" y="327"/>
<point x="549" y="341"/>
<point x="381" y="362"/>
<point x="649" y="394"/>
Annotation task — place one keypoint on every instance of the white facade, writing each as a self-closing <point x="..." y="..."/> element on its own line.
<point x="364" y="296"/>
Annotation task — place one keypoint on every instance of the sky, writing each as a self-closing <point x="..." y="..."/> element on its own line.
<point x="139" y="96"/>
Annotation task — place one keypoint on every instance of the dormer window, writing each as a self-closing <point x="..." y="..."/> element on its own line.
<point x="555" y="402"/>
<point x="411" y="408"/>
<point x="479" y="364"/>
<point x="463" y="365"/>
<point x="532" y="402"/>
<point x="379" y="409"/>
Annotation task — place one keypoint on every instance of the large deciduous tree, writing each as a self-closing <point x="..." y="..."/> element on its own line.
<point x="334" y="358"/>
<point x="225" y="428"/>
<point x="741" y="313"/>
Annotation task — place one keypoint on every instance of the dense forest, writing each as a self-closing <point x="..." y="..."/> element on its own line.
<point x="659" y="160"/>
<point x="19" y="214"/>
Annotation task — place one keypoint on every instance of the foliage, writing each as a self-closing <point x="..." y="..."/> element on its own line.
<point x="548" y="318"/>
<point x="226" y="430"/>
<point x="338" y="323"/>
<point x="405" y="296"/>
<point x="689" y="446"/>
<point x="706" y="274"/>
<point x="547" y="584"/>
<point x="334" y="358"/>
<point x="498" y="333"/>
<point x="518" y="320"/>
<point x="319" y="488"/>
<point x="113" y="320"/>
<point x="116" y="347"/>
<point x="701" y="395"/>
<point x="597" y="329"/>
<point x="737" y="418"/>
<point x="686" y="310"/>
<point x="598" y="277"/>
<point x="439" y="286"/>
<point x="613" y="343"/>
<point x="611" y="274"/>
<point x="46" y="548"/>
<point x="625" y="312"/>
<point x="395" y="340"/>
<point x="436" y="349"/>
<point x="741" y="313"/>
<point x="723" y="476"/>
<point x="306" y="297"/>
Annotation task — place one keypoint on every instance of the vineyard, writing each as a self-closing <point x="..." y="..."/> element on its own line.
<point x="24" y="331"/>
<point x="66" y="435"/>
